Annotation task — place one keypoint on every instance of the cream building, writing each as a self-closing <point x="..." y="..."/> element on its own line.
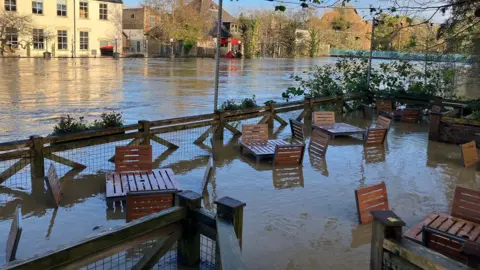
<point x="66" y="28"/>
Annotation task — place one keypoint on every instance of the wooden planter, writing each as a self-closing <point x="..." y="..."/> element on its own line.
<point x="458" y="131"/>
<point x="70" y="138"/>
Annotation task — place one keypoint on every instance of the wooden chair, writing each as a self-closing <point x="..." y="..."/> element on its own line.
<point x="323" y="118"/>
<point x="143" y="203"/>
<point x="133" y="158"/>
<point x="14" y="235"/>
<point x="288" y="177"/>
<point x="469" y="154"/>
<point x="384" y="105"/>
<point x="444" y="243"/>
<point x="288" y="155"/>
<point x="369" y="199"/>
<point x="411" y="115"/>
<point x="318" y="143"/>
<point x="375" y="136"/>
<point x="384" y="122"/>
<point x="255" y="132"/>
<point x="53" y="185"/>
<point x="466" y="204"/>
<point x="297" y="131"/>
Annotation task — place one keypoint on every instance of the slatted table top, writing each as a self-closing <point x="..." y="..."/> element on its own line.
<point x="119" y="183"/>
<point x="340" y="129"/>
<point x="446" y="223"/>
<point x="263" y="148"/>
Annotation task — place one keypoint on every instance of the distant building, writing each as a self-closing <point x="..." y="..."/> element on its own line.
<point x="137" y="22"/>
<point x="66" y="28"/>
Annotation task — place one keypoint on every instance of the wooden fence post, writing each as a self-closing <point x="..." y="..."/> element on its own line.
<point x="272" y="115"/>
<point x="189" y="243"/>
<point x="308" y="110"/>
<point x="232" y="210"/>
<point x="38" y="163"/>
<point x="145" y="129"/>
<point x="434" y="128"/>
<point x="385" y="225"/>
<point x="218" y="133"/>
<point x="339" y="103"/>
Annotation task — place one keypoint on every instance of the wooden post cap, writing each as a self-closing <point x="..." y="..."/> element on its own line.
<point x="189" y="195"/>
<point x="230" y="202"/>
<point x="388" y="218"/>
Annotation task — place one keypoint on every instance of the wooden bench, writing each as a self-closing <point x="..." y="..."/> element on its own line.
<point x="383" y="121"/>
<point x="14" y="235"/>
<point x="297" y="131"/>
<point x="318" y="143"/>
<point x="133" y="158"/>
<point x="369" y="199"/>
<point x="53" y="185"/>
<point x="143" y="203"/>
<point x="384" y="105"/>
<point x="288" y="155"/>
<point x="444" y="243"/>
<point x="323" y="118"/>
<point x="411" y="115"/>
<point x="469" y="154"/>
<point x="375" y="136"/>
<point x="254" y="133"/>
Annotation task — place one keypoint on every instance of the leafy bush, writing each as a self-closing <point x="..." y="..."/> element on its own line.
<point x="232" y="105"/>
<point x="111" y="119"/>
<point x="269" y="102"/>
<point x="69" y="125"/>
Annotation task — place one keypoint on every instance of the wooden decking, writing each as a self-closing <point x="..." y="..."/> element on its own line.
<point x="118" y="184"/>
<point x="261" y="149"/>
<point x="340" y="129"/>
<point x="446" y="223"/>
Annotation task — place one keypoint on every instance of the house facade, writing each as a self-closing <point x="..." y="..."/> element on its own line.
<point x="137" y="22"/>
<point x="66" y="28"/>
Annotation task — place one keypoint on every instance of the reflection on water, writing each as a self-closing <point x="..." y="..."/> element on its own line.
<point x="303" y="217"/>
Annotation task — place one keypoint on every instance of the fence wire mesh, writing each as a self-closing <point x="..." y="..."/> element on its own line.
<point x="17" y="174"/>
<point x="394" y="262"/>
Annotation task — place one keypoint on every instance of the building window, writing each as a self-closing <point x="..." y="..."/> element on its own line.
<point x="62" y="40"/>
<point x="11" y="5"/>
<point x="83" y="40"/>
<point x="84" y="10"/>
<point x="11" y="35"/>
<point x="38" y="39"/>
<point x="132" y="16"/>
<point x="37" y="7"/>
<point x="62" y="8"/>
<point x="152" y="21"/>
<point x="103" y="12"/>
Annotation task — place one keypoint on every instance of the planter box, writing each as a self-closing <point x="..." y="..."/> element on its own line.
<point x="94" y="134"/>
<point x="459" y="131"/>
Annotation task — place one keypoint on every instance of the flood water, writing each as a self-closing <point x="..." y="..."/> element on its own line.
<point x="303" y="222"/>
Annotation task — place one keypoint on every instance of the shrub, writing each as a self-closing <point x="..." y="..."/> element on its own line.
<point x="475" y="115"/>
<point x="112" y="119"/>
<point x="249" y="103"/>
<point x="69" y="125"/>
<point x="269" y="102"/>
<point x="232" y="105"/>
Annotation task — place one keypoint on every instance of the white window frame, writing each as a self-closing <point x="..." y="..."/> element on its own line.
<point x="84" y="41"/>
<point x="62" y="8"/>
<point x="38" y="39"/>
<point x="103" y="11"/>
<point x="83" y="6"/>
<point x="37" y="7"/>
<point x="12" y="37"/>
<point x="11" y="5"/>
<point x="62" y="40"/>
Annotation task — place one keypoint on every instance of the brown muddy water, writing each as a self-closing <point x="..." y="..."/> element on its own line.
<point x="307" y="222"/>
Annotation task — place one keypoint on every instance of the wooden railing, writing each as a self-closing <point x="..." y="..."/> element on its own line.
<point x="182" y="224"/>
<point x="390" y="250"/>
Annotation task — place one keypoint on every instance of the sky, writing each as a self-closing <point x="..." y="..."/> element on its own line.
<point x="235" y="7"/>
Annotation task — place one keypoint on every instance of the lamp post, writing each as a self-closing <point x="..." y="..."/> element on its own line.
<point x="116" y="54"/>
<point x="172" y="54"/>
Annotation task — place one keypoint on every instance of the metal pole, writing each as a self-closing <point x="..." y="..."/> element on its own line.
<point x="74" y="53"/>
<point x="369" y="70"/>
<point x="217" y="54"/>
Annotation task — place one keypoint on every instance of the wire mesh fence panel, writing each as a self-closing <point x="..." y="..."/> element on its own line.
<point x="17" y="173"/>
<point x="207" y="253"/>
<point x="394" y="262"/>
<point x="238" y="125"/>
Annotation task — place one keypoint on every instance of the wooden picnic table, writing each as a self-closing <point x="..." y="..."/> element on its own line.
<point x="262" y="149"/>
<point x="119" y="183"/>
<point x="340" y="129"/>
<point x="448" y="224"/>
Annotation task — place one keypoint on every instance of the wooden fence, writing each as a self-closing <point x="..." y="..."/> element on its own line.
<point x="182" y="225"/>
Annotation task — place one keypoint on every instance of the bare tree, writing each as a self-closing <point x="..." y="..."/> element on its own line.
<point x="13" y="24"/>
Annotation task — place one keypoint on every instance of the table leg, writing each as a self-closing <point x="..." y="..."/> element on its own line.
<point x="258" y="159"/>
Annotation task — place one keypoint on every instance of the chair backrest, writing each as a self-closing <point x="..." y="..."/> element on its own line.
<point x="411" y="115"/>
<point x="369" y="199"/>
<point x="469" y="154"/>
<point x="133" y="158"/>
<point x="323" y="118"/>
<point x="207" y="175"/>
<point x="53" y="184"/>
<point x="288" y="154"/>
<point x="143" y="203"/>
<point x="383" y="121"/>
<point x="14" y="235"/>
<point x="255" y="132"/>
<point x="466" y="204"/>
<point x="443" y="243"/>
<point x="318" y="143"/>
<point x="384" y="105"/>
<point x="375" y="136"/>
<point x="297" y="131"/>
<point x="288" y="177"/>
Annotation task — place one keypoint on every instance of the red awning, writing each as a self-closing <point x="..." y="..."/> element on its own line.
<point x="235" y="42"/>
<point x="108" y="47"/>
